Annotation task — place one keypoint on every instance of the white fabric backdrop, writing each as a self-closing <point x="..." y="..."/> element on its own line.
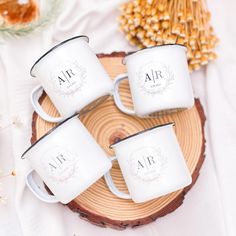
<point x="209" y="208"/>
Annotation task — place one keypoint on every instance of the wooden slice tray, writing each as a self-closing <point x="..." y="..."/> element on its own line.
<point x="107" y="124"/>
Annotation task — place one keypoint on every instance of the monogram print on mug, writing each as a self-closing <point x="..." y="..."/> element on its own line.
<point x="60" y="164"/>
<point x="155" y="77"/>
<point x="147" y="163"/>
<point x="68" y="77"/>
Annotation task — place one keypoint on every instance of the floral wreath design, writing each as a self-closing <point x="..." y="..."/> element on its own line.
<point x="169" y="78"/>
<point x="71" y="172"/>
<point x="156" y="174"/>
<point x="76" y="85"/>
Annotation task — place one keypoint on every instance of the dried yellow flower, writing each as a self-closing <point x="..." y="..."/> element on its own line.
<point x="166" y="15"/>
<point x="176" y="28"/>
<point x="189" y="16"/>
<point x="156" y="26"/>
<point x="198" y="54"/>
<point x="189" y="54"/>
<point x="212" y="56"/>
<point x="182" y="19"/>
<point x="180" y="40"/>
<point x="196" y="66"/>
<point x="165" y="24"/>
<point x="204" y="49"/>
<point x="192" y="41"/>
<point x="204" y="60"/>
<point x="203" y="40"/>
<point x="160" y="7"/>
<point x="153" y="11"/>
<point x="154" y="22"/>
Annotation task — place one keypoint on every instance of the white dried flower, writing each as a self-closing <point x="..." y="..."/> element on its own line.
<point x="17" y="121"/>
<point x="3" y="200"/>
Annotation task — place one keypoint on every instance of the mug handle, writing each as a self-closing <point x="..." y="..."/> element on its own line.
<point x="112" y="186"/>
<point x="34" y="188"/>
<point x="35" y="94"/>
<point x="117" y="99"/>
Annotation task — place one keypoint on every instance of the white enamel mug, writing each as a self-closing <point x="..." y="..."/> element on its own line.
<point x="159" y="81"/>
<point x="72" y="77"/>
<point x="151" y="163"/>
<point x="68" y="160"/>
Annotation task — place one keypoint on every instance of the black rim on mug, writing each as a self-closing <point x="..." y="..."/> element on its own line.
<point x="156" y="46"/>
<point x="49" y="132"/>
<point x="54" y="47"/>
<point x="141" y="132"/>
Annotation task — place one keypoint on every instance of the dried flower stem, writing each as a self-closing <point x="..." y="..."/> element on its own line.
<point x="2" y="198"/>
